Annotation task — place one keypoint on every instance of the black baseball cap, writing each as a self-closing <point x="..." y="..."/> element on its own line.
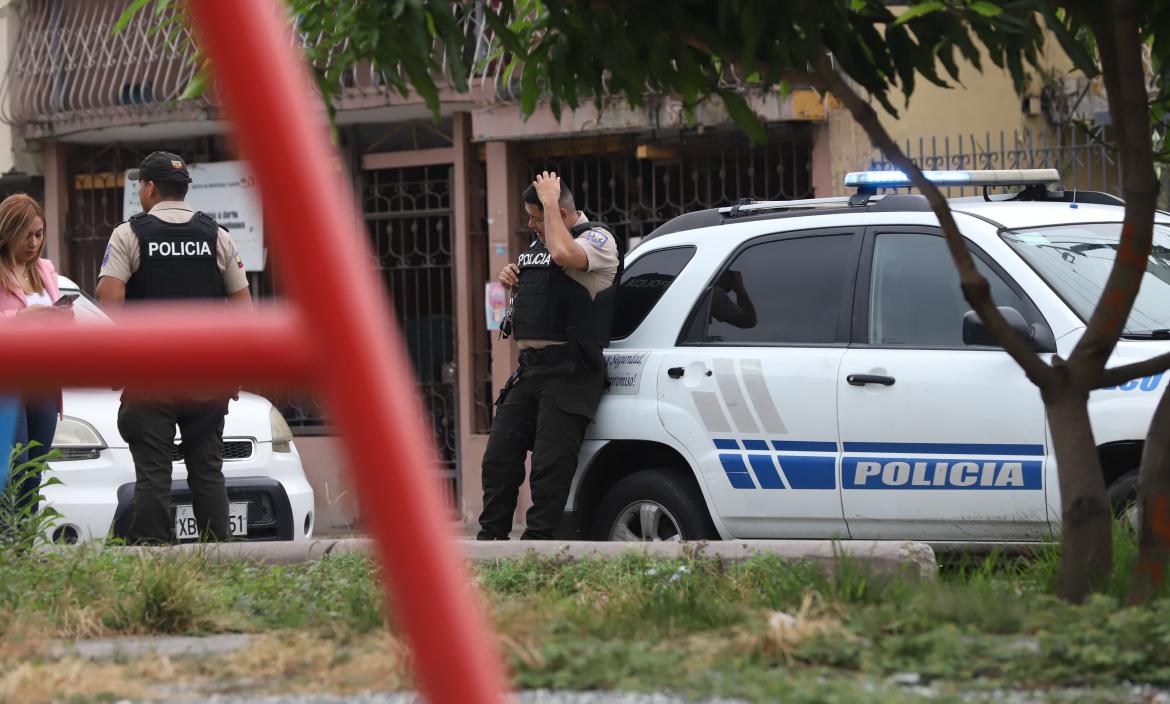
<point x="161" y="166"/>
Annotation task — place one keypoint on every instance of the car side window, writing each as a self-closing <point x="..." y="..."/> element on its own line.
<point x="782" y="291"/>
<point x="914" y="297"/>
<point x="643" y="284"/>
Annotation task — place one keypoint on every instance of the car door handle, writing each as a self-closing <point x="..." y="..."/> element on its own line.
<point x="675" y="372"/>
<point x="863" y="379"/>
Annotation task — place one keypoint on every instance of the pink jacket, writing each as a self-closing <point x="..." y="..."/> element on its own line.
<point x="13" y="301"/>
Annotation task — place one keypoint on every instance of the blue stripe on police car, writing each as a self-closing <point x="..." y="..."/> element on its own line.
<point x="895" y="466"/>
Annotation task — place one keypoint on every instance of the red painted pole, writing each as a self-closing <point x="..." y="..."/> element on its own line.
<point x="322" y="250"/>
<point x="162" y="348"/>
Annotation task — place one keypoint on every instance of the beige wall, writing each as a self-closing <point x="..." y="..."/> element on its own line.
<point x="982" y="103"/>
<point x="9" y="30"/>
<point x="15" y="151"/>
<point x="335" y="505"/>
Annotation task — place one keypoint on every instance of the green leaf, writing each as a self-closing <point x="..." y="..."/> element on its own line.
<point x="919" y="10"/>
<point x="529" y="91"/>
<point x="1075" y="50"/>
<point x="987" y="9"/>
<point x="946" y="56"/>
<point x="197" y="86"/>
<point x="744" y="116"/>
<point x="504" y="33"/>
<point x="128" y="14"/>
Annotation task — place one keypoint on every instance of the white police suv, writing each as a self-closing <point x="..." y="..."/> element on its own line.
<point x="810" y="369"/>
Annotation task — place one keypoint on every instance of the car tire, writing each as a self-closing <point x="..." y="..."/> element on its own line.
<point x="1123" y="496"/>
<point x="653" y="505"/>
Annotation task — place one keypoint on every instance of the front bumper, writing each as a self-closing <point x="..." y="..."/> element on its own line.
<point x="270" y="512"/>
<point x="92" y="493"/>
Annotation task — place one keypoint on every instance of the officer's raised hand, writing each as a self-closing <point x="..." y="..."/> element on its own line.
<point x="552" y="220"/>
<point x="548" y="188"/>
<point x="509" y="275"/>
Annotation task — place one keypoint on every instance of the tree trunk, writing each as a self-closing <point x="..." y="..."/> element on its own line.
<point x="1153" y="508"/>
<point x="1086" y="537"/>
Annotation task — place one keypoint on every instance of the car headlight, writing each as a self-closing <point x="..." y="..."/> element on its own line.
<point x="281" y="434"/>
<point x="77" y="440"/>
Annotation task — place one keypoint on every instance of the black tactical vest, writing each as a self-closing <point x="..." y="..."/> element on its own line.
<point x="176" y="260"/>
<point x="551" y="306"/>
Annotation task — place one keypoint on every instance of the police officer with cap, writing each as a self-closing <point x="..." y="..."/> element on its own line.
<point x="169" y="251"/>
<point x="563" y="287"/>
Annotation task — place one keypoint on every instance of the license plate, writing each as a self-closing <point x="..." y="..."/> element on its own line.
<point x="187" y="529"/>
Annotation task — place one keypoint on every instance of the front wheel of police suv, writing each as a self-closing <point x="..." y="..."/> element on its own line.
<point x="653" y="505"/>
<point x="1123" y="497"/>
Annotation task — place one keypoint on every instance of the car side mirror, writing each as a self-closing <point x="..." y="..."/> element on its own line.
<point x="1036" y="334"/>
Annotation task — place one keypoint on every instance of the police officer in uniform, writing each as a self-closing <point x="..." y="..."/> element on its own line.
<point x="171" y="252"/>
<point x="563" y="287"/>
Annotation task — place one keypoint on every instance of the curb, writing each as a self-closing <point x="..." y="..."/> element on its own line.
<point x="875" y="556"/>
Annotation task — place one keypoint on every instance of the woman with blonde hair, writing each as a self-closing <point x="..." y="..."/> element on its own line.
<point x="28" y="290"/>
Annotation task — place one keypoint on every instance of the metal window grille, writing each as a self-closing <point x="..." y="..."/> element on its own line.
<point x="408" y="215"/>
<point x="1086" y="160"/>
<point x="634" y="195"/>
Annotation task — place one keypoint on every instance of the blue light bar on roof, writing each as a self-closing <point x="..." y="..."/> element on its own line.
<point x="894" y="179"/>
<point x="976" y="177"/>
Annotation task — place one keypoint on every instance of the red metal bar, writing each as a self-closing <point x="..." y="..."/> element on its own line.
<point x="162" y="348"/>
<point x="322" y="251"/>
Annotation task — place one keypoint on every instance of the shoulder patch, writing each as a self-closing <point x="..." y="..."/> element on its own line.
<point x="595" y="237"/>
<point x="106" y="256"/>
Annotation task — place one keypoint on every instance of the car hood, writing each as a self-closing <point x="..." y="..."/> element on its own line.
<point x="1126" y="352"/>
<point x="248" y="417"/>
<point x="1129" y="351"/>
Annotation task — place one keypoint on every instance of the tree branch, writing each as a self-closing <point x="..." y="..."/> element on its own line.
<point x="1136" y="370"/>
<point x="791" y="76"/>
<point x="975" y="288"/>
<point x="1119" y="45"/>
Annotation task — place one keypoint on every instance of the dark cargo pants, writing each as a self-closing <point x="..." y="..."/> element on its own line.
<point x="149" y="430"/>
<point x="545" y="412"/>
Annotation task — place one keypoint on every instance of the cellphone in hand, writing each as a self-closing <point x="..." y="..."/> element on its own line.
<point x="66" y="299"/>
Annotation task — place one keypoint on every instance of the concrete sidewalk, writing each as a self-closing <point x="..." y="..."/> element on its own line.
<point x="880" y="556"/>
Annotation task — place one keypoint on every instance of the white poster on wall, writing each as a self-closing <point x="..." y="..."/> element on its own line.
<point x="225" y="191"/>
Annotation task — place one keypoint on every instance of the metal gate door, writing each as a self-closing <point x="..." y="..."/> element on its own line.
<point x="408" y="214"/>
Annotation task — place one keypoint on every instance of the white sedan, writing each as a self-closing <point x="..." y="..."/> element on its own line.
<point x="270" y="497"/>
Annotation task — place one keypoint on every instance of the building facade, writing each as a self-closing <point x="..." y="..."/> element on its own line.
<point x="440" y="196"/>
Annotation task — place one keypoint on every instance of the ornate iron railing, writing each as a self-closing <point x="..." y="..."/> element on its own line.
<point x="70" y="70"/>
<point x="1085" y="159"/>
<point x="70" y="67"/>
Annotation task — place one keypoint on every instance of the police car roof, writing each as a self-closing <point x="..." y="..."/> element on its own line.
<point x="1089" y="207"/>
<point x="1018" y="214"/>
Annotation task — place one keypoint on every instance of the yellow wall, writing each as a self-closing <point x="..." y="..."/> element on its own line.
<point x="981" y="104"/>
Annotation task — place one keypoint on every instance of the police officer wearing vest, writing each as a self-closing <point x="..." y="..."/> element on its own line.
<point x="171" y="252"/>
<point x="563" y="287"/>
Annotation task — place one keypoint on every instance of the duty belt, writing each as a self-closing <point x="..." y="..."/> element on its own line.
<point x="545" y="356"/>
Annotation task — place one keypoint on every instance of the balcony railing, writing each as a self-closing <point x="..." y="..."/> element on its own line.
<point x="71" y="71"/>
<point x="69" y="65"/>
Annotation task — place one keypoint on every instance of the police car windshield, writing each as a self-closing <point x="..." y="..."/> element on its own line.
<point x="1075" y="260"/>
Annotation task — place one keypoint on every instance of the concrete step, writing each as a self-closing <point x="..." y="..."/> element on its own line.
<point x="876" y="556"/>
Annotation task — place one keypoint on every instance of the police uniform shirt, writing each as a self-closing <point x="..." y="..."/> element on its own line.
<point x="123" y="255"/>
<point x="601" y="253"/>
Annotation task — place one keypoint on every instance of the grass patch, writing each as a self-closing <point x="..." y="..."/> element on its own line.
<point x="761" y="629"/>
